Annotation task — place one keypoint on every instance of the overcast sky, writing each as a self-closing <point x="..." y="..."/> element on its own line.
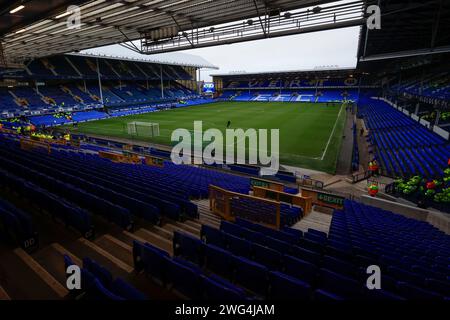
<point x="306" y="51"/>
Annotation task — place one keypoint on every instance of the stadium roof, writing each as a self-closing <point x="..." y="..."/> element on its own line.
<point x="40" y="27"/>
<point x="289" y="73"/>
<point x="166" y="59"/>
<point x="413" y="27"/>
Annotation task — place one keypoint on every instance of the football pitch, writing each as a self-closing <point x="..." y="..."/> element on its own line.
<point x="310" y="133"/>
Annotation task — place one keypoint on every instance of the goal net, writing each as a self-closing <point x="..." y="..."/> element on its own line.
<point x="143" y="129"/>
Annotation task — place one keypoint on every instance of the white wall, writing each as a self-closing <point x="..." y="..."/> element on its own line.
<point x="444" y="134"/>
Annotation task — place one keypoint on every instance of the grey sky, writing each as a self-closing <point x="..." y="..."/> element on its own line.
<point x="306" y="51"/>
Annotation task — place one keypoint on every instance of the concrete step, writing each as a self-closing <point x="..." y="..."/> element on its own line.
<point x="162" y="232"/>
<point x="84" y="248"/>
<point x="155" y="240"/>
<point x="188" y="228"/>
<point x="194" y="223"/>
<point x="107" y="255"/>
<point x="210" y="216"/>
<point x="315" y="220"/>
<point x="172" y="228"/>
<point x="116" y="247"/>
<point x="51" y="259"/>
<point x="63" y="251"/>
<point x="30" y="286"/>
<point x="210" y="223"/>
<point x="3" y="295"/>
<point x="35" y="267"/>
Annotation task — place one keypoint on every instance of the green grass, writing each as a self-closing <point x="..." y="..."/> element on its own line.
<point x="305" y="128"/>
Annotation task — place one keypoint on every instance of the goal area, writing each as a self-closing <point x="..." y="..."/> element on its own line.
<point x="143" y="129"/>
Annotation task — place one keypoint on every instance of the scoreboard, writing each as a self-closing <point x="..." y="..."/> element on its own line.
<point x="209" y="88"/>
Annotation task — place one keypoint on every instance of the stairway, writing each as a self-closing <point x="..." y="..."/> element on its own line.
<point x="42" y="275"/>
<point x="205" y="215"/>
<point x="24" y="278"/>
<point x="315" y="220"/>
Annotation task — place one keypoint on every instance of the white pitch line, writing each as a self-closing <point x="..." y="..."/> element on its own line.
<point x="332" y="132"/>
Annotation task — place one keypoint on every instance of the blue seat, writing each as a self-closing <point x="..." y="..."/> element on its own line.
<point x="67" y="261"/>
<point x="183" y="279"/>
<point x="382" y="295"/>
<point x="188" y="247"/>
<point x="339" y="266"/>
<point x="311" y="245"/>
<point x="266" y="256"/>
<point x="339" y="252"/>
<point x="212" y="235"/>
<point x="216" y="289"/>
<point x="438" y="286"/>
<point x="284" y="236"/>
<point x="300" y="269"/>
<point x="315" y="238"/>
<point x="412" y="292"/>
<point x="98" y="271"/>
<point x="339" y="284"/>
<point x="284" y="287"/>
<point x="295" y="232"/>
<point x="194" y="267"/>
<point x="231" y="228"/>
<point x="218" y="260"/>
<point x="323" y="295"/>
<point x="364" y="261"/>
<point x="238" y="246"/>
<point x="278" y="245"/>
<point x="251" y="275"/>
<point x="154" y="263"/>
<point x="99" y="292"/>
<point x="318" y="233"/>
<point x="306" y="255"/>
<point x="403" y="275"/>
<point x="254" y="236"/>
<point x="123" y="289"/>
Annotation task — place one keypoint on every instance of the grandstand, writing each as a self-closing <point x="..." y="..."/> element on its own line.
<point x="71" y="83"/>
<point x="363" y="186"/>
<point x="292" y="86"/>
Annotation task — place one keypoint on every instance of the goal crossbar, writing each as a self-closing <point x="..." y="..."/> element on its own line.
<point x="144" y="129"/>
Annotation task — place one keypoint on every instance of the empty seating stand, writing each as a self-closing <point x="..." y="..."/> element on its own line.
<point x="333" y="267"/>
<point x="404" y="147"/>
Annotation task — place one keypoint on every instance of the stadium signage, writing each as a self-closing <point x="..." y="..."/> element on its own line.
<point x="154" y="161"/>
<point x="325" y="199"/>
<point x="266" y="184"/>
<point x="189" y="148"/>
<point x="330" y="199"/>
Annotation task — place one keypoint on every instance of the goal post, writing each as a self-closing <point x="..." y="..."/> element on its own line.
<point x="143" y="129"/>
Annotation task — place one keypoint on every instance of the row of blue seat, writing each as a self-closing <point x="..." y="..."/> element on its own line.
<point x="410" y="252"/>
<point x="17" y="225"/>
<point x="404" y="147"/>
<point x="97" y="283"/>
<point x="250" y="278"/>
<point x="337" y="255"/>
<point x="69" y="213"/>
<point x="112" y="212"/>
<point x="137" y="206"/>
<point x="301" y="279"/>
<point x="180" y="275"/>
